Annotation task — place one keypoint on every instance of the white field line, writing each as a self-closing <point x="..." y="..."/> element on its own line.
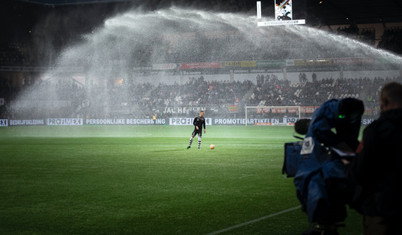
<point x="254" y="221"/>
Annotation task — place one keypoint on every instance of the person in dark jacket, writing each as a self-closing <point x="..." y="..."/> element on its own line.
<point x="376" y="169"/>
<point x="320" y="180"/>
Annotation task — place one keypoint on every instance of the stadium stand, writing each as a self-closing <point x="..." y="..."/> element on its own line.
<point x="19" y="51"/>
<point x="147" y="99"/>
<point x="392" y="40"/>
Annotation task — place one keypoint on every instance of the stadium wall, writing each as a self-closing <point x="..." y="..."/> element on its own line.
<point x="187" y="121"/>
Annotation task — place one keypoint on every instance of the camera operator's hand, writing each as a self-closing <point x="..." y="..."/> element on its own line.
<point x="343" y="151"/>
<point x="345" y="161"/>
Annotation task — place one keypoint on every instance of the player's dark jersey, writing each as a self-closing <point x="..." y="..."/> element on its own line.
<point x="200" y="122"/>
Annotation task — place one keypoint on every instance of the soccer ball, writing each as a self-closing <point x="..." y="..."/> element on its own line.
<point x="212" y="146"/>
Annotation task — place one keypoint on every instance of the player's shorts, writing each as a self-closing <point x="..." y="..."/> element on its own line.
<point x="195" y="132"/>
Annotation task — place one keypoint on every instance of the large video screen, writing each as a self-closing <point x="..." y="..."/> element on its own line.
<point x="283" y="10"/>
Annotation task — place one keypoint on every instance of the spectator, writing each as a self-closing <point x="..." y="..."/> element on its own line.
<point x="377" y="167"/>
<point x="392" y="40"/>
<point x="267" y="89"/>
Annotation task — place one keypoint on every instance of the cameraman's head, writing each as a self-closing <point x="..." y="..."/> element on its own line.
<point x="391" y="96"/>
<point x="351" y="110"/>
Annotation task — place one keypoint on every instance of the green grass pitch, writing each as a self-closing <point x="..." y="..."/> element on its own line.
<point x="142" y="180"/>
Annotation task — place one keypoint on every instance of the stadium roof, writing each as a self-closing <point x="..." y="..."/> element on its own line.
<point x="356" y="11"/>
<point x="70" y="2"/>
<point x="328" y="12"/>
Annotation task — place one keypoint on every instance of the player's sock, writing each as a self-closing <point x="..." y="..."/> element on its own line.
<point x="199" y="142"/>
<point x="191" y="141"/>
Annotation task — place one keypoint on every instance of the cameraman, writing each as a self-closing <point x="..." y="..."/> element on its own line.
<point x="376" y="169"/>
<point x="321" y="183"/>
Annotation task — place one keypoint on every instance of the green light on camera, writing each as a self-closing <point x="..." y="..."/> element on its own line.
<point x="341" y="116"/>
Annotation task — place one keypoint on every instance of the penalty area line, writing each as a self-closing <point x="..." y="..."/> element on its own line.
<point x="254" y="221"/>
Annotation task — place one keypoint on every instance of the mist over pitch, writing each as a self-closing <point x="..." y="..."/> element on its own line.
<point x="111" y="55"/>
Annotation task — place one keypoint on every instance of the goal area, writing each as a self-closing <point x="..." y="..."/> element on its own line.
<point x="272" y="115"/>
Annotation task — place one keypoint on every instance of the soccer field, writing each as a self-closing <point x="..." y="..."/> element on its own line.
<point x="142" y="180"/>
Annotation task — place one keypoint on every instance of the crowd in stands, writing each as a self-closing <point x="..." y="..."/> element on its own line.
<point x="312" y="93"/>
<point x="145" y="100"/>
<point x="60" y="98"/>
<point x="31" y="46"/>
<point x="392" y="40"/>
<point x="199" y="92"/>
<point x="267" y="90"/>
<point x="365" y="34"/>
<point x="12" y="54"/>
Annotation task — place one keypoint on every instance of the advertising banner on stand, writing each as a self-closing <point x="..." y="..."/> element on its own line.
<point x="170" y="66"/>
<point x="125" y="121"/>
<point x="212" y="65"/>
<point x="271" y="63"/>
<point x="233" y="108"/>
<point x="249" y="64"/>
<point x="182" y="110"/>
<point x="232" y="64"/>
<point x="3" y="122"/>
<point x="353" y="61"/>
<point x="30" y="122"/>
<point x="186" y="121"/>
<point x="307" y="109"/>
<point x="64" y="121"/>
